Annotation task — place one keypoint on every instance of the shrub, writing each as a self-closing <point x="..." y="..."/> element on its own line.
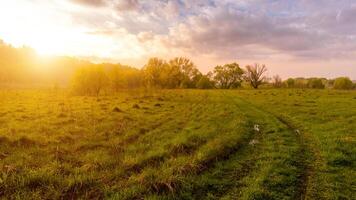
<point x="316" y="83"/>
<point x="343" y="83"/>
<point x="330" y="83"/>
<point x="205" y="83"/>
<point x="290" y="82"/>
<point x="300" y="83"/>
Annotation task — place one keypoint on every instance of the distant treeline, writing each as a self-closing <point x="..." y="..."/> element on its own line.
<point x="182" y="73"/>
<point x="316" y="83"/>
<point x="176" y="73"/>
<point x="23" y="66"/>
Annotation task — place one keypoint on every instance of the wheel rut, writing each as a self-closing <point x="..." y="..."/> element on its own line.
<point x="304" y="153"/>
<point x="235" y="166"/>
<point x="306" y="156"/>
<point x="226" y="176"/>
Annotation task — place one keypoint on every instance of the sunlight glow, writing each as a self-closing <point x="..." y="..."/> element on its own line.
<point x="50" y="32"/>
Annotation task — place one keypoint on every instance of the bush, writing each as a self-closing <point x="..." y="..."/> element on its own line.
<point x="290" y="82"/>
<point x="316" y="83"/>
<point x="205" y="83"/>
<point x="300" y="83"/>
<point x="343" y="83"/>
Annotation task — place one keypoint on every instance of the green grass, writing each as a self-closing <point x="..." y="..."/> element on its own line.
<point x="327" y="120"/>
<point x="178" y="144"/>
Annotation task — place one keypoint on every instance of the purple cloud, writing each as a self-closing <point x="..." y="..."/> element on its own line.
<point x="226" y="28"/>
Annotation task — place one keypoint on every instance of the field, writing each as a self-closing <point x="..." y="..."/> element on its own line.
<point x="178" y="144"/>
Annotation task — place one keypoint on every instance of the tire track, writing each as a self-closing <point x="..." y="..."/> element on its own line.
<point x="243" y="157"/>
<point x="304" y="153"/>
<point x="303" y="158"/>
<point x="203" y="167"/>
<point x="307" y="157"/>
<point x="240" y="162"/>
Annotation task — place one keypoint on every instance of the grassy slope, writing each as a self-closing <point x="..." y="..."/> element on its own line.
<point x="184" y="144"/>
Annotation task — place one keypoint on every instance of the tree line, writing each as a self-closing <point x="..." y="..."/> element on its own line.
<point x="176" y="73"/>
<point x="181" y="72"/>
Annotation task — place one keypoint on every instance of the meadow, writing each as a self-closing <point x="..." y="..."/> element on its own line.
<point x="178" y="144"/>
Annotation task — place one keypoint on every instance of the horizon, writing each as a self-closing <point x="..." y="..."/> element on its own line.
<point x="294" y="39"/>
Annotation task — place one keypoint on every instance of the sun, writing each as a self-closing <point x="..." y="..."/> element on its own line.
<point x="47" y="31"/>
<point x="25" y="24"/>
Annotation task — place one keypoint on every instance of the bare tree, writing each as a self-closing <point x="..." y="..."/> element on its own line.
<point x="254" y="74"/>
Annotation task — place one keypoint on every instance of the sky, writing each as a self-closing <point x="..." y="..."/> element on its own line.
<point x="292" y="37"/>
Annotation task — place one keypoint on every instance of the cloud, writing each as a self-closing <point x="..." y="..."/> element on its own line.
<point x="145" y="36"/>
<point x="225" y="30"/>
<point x="230" y="31"/>
<point x="90" y="2"/>
<point x="338" y="21"/>
<point x="127" y="5"/>
<point x="221" y="29"/>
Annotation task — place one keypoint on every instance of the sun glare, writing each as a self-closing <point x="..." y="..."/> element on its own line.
<point x="28" y="26"/>
<point x="48" y="32"/>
